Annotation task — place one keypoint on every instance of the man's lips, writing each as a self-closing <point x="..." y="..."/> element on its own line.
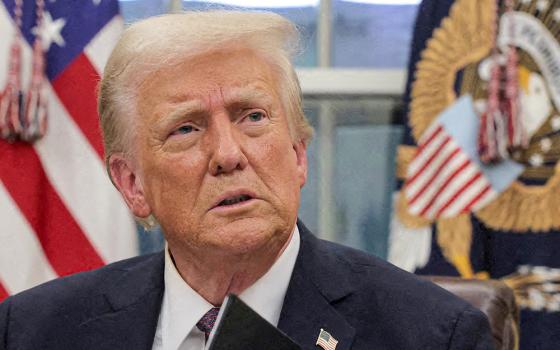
<point x="233" y="198"/>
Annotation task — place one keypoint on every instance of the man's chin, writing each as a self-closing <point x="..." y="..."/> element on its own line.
<point x="247" y="234"/>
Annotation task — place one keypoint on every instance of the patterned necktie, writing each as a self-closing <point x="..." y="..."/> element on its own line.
<point x="207" y="321"/>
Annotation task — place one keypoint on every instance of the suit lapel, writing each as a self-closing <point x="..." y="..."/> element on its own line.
<point x="314" y="288"/>
<point x="135" y="302"/>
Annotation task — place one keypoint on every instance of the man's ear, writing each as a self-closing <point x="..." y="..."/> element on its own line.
<point x="301" y="154"/>
<point x="129" y="185"/>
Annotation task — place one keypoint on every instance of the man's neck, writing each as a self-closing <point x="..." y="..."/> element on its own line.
<point x="214" y="276"/>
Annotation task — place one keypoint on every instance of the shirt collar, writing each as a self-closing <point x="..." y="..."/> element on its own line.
<point x="266" y="295"/>
<point x="183" y="307"/>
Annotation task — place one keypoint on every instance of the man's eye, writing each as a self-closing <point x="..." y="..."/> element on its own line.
<point x="185" y="129"/>
<point x="255" y="116"/>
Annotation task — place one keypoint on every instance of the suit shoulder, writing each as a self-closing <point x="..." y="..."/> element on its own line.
<point x="385" y="296"/>
<point x="82" y="284"/>
<point x="54" y="312"/>
<point x="375" y="276"/>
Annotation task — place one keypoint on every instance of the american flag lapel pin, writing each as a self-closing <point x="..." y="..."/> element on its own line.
<point x="326" y="341"/>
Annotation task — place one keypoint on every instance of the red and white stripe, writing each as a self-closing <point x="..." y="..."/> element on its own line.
<point x="60" y="213"/>
<point x="442" y="181"/>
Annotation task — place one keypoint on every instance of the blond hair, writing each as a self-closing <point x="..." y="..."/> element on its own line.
<point x="166" y="40"/>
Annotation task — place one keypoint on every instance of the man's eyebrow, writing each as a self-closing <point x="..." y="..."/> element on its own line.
<point x="249" y="96"/>
<point x="182" y="110"/>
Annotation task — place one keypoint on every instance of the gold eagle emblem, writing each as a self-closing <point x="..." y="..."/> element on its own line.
<point x="461" y="46"/>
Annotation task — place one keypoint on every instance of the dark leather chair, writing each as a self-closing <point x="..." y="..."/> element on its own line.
<point x="492" y="297"/>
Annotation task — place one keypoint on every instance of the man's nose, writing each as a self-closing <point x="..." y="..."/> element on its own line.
<point x="227" y="154"/>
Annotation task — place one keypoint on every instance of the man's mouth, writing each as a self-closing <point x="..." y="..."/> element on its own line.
<point x="234" y="200"/>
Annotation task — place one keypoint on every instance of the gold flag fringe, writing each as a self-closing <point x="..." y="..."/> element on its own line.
<point x="463" y="38"/>
<point x="523" y="208"/>
<point x="454" y="236"/>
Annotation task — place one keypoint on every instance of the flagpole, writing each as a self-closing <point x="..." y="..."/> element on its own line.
<point x="325" y="137"/>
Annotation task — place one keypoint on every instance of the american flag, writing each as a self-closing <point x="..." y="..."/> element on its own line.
<point x="326" y="341"/>
<point x="446" y="178"/>
<point x="59" y="212"/>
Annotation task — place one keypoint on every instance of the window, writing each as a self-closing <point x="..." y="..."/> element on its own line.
<point x="374" y="34"/>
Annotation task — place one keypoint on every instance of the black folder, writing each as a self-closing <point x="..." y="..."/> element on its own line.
<point x="241" y="328"/>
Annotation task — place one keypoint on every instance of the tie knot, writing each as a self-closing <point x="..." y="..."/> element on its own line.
<point x="207" y="321"/>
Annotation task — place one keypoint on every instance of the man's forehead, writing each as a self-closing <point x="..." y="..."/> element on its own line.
<point x="247" y="96"/>
<point x="230" y="95"/>
<point x="243" y="71"/>
<point x="249" y="93"/>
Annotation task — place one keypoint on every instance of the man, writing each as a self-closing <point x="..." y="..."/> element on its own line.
<point x="204" y="132"/>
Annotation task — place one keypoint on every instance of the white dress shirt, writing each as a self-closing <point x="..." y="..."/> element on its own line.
<point x="182" y="307"/>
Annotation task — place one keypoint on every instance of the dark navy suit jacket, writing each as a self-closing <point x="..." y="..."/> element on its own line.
<point x="363" y="302"/>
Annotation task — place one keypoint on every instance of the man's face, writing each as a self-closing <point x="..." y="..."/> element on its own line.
<point x="213" y="157"/>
